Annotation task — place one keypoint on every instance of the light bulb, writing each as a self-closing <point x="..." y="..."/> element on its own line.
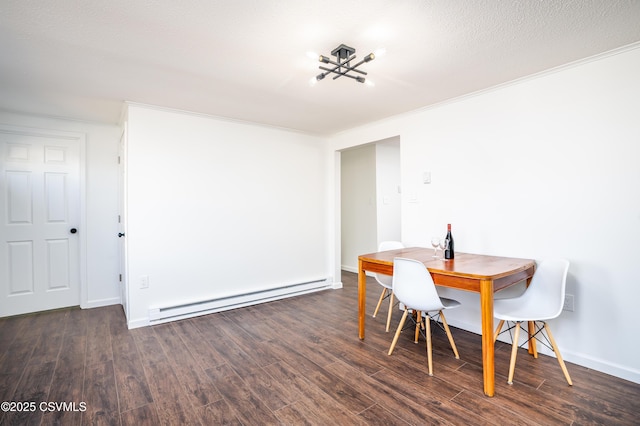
<point x="380" y="52"/>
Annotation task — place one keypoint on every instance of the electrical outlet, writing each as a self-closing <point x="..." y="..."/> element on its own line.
<point x="568" y="303"/>
<point x="144" y="281"/>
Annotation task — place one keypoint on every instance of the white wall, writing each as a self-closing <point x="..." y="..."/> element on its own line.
<point x="387" y="196"/>
<point x="219" y="208"/>
<point x="545" y="167"/>
<point x="359" y="207"/>
<point x="101" y="165"/>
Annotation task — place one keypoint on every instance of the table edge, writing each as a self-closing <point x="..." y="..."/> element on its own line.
<point x="530" y="263"/>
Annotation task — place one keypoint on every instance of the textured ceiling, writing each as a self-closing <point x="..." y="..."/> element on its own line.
<point x="248" y="59"/>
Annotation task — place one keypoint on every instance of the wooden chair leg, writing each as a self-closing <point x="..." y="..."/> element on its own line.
<point x="390" y="309"/>
<point x="560" y="360"/>
<point x="429" y="354"/>
<point x="384" y="291"/>
<point x="532" y="341"/>
<point x="395" y="338"/>
<point x="418" y="324"/>
<point x="449" y="335"/>
<point x="495" y="336"/>
<point x="514" y="353"/>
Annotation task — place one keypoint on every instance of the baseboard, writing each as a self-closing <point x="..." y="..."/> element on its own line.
<point x="141" y="322"/>
<point x="100" y="303"/>
<point x="583" y="360"/>
<point x="355" y="270"/>
<point x="602" y="366"/>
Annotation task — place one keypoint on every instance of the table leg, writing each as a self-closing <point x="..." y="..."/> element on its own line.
<point x="486" y="309"/>
<point x="362" y="292"/>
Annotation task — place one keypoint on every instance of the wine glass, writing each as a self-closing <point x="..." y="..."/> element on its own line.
<point x="435" y="242"/>
<point x="444" y="244"/>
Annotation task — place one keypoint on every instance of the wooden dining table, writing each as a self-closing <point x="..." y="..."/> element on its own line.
<point x="470" y="272"/>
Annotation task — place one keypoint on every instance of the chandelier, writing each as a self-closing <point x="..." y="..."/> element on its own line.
<point x="342" y="65"/>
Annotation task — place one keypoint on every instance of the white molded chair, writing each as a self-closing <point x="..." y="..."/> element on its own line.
<point x="542" y="301"/>
<point x="415" y="289"/>
<point x="386" y="280"/>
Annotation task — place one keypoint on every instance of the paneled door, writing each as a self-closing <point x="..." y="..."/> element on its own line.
<point x="122" y="209"/>
<point x="39" y="221"/>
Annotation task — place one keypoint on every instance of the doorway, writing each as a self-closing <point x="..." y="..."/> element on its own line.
<point x="370" y="199"/>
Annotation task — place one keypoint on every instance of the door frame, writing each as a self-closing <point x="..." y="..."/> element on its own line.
<point x="81" y="140"/>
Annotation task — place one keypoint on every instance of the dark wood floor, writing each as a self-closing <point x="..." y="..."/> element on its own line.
<point x="295" y="361"/>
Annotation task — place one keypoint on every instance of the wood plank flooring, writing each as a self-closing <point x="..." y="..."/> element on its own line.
<point x="296" y="361"/>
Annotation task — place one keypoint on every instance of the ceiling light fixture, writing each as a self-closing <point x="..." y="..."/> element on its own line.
<point x="342" y="65"/>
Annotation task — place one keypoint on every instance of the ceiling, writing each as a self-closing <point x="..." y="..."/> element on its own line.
<point x="253" y="60"/>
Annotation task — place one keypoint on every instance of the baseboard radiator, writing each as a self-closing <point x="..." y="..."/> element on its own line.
<point x="188" y="310"/>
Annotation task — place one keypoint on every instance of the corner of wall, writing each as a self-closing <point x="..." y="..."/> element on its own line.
<point x="138" y="323"/>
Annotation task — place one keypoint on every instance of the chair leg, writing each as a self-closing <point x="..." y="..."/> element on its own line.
<point x="418" y="324"/>
<point x="560" y="360"/>
<point x="449" y="335"/>
<point x="395" y="338"/>
<point x="390" y="309"/>
<point x="384" y="291"/>
<point x="429" y="354"/>
<point x="495" y="336"/>
<point x="514" y="353"/>
<point x="532" y="342"/>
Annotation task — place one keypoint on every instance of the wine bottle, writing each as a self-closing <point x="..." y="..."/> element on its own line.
<point x="448" y="251"/>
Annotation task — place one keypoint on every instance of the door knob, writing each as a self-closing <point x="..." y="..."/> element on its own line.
<point x="73" y="230"/>
<point x="120" y="234"/>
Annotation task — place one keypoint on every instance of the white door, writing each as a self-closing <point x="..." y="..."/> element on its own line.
<point x="122" y="246"/>
<point x="39" y="222"/>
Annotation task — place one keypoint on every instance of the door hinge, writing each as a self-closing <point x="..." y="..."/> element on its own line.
<point x="120" y="278"/>
<point x="118" y="159"/>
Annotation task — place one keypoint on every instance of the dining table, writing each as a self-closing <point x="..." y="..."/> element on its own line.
<point x="476" y="273"/>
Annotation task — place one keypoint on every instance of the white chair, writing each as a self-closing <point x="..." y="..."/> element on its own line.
<point x="385" y="281"/>
<point x="414" y="288"/>
<point x="541" y="301"/>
